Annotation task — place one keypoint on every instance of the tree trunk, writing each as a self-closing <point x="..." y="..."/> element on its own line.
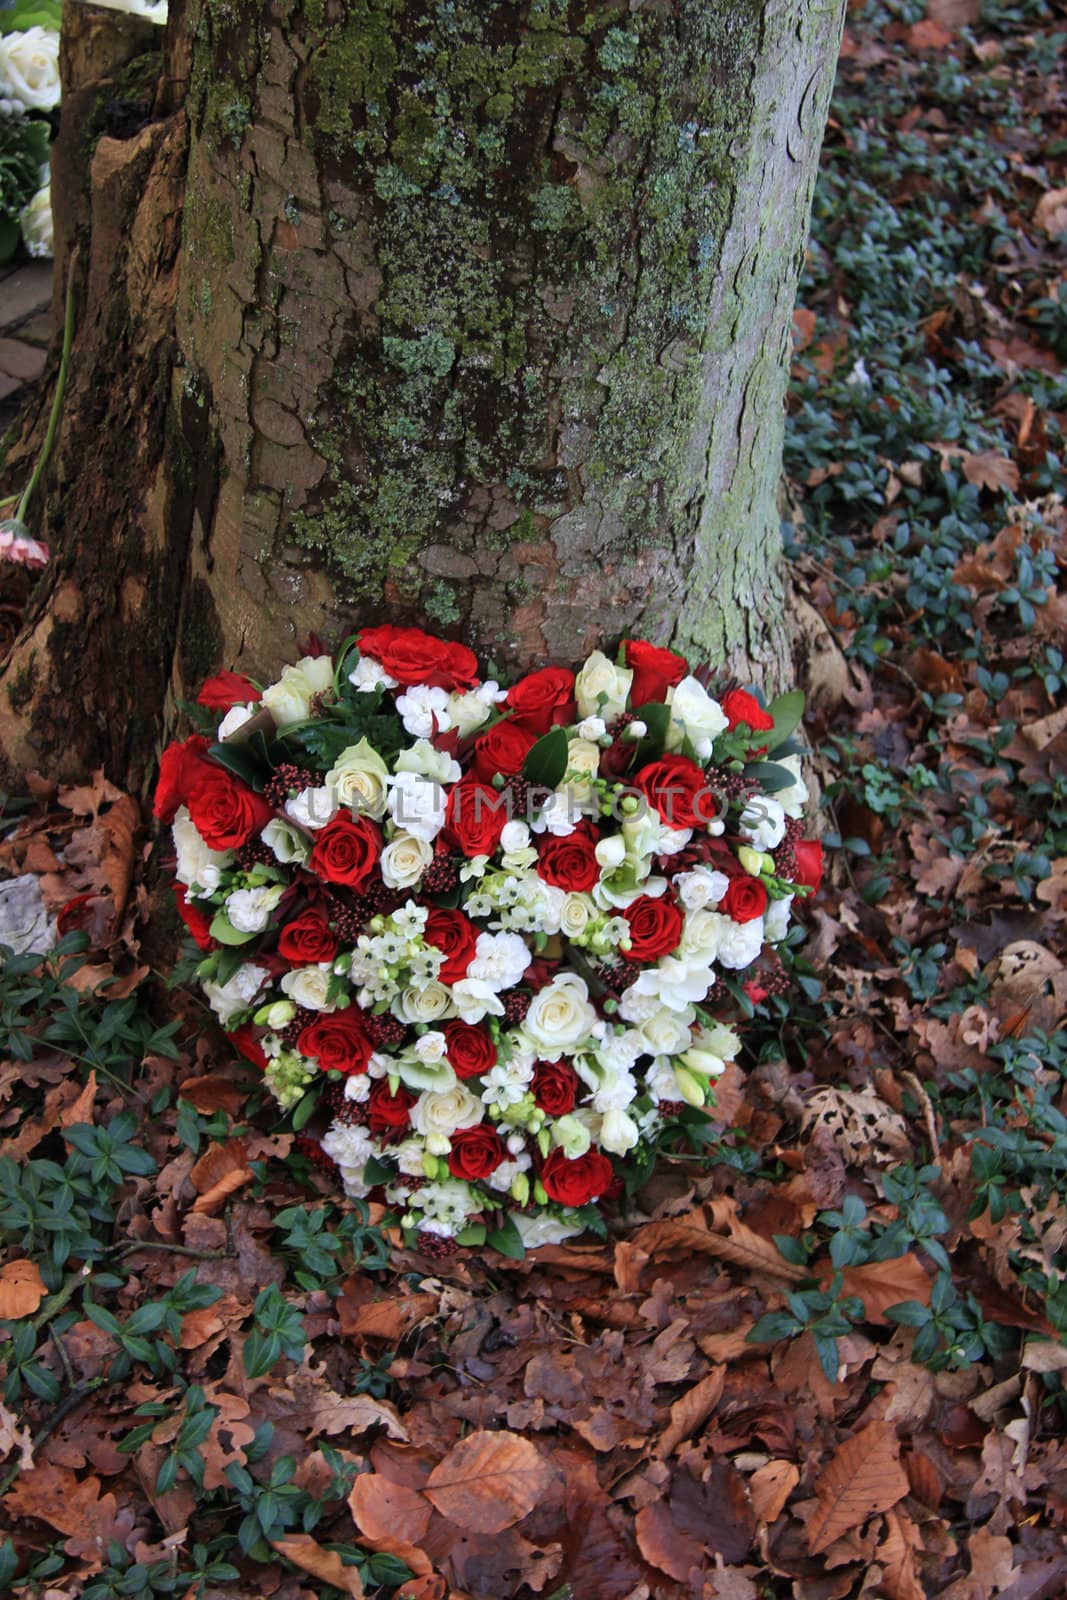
<point x="478" y="318"/>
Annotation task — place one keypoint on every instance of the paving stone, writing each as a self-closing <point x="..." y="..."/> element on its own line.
<point x="8" y="386"/>
<point x="25" y="292"/>
<point x="20" y="360"/>
<point x="38" y="330"/>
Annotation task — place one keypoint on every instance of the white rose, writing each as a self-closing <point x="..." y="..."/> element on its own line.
<point x="308" y="986"/>
<point x="583" y="758"/>
<point x="538" y="1229"/>
<point x="431" y="763"/>
<point x="793" y="798"/>
<point x="357" y="780"/>
<point x="445" y="1110"/>
<point x="469" y="712"/>
<point x="199" y="867"/>
<point x="288" y="843"/>
<point x="592" y="728"/>
<point x="423" y="1005"/>
<point x="249" y="910"/>
<point x="601" y="688"/>
<point x="560" y="1017"/>
<point x="694" y="716"/>
<point x="312" y="808"/>
<point x="576" y="913"/>
<point x="776" y="920"/>
<point x="514" y="837"/>
<point x="667" y="1033"/>
<point x="29" y="68"/>
<point x="35" y="222"/>
<point x="404" y="860"/>
<point x="618" y="1132"/>
<point x="424" y="711"/>
<point x="572" y="1136"/>
<point x="417" y="804"/>
<point x="289" y="700"/>
<point x="369" y="674"/>
<point x="237" y="993"/>
<point x="763" y="822"/>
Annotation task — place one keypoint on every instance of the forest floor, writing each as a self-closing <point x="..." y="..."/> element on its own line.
<point x="829" y="1359"/>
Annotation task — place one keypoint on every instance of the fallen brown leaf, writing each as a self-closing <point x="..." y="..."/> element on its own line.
<point x="387" y="1510"/>
<point x="864" y="1475"/>
<point x="489" y="1481"/>
<point x="307" y="1554"/>
<point x="21" y="1290"/>
<point x="694" y="1407"/>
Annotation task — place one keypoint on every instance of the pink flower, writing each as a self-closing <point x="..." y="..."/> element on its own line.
<point x="16" y="544"/>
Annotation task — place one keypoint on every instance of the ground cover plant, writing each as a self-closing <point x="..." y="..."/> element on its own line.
<point x="824" y="1355"/>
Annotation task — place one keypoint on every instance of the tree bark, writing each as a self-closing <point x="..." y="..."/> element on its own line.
<point x="478" y="318"/>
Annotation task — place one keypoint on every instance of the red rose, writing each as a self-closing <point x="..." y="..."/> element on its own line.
<point x="457" y="936"/>
<point x="307" y="940"/>
<point x="475" y="1152"/>
<point x="386" y="1110"/>
<point x="226" y="690"/>
<point x="543" y="700"/>
<point x="655" y="928"/>
<point x="503" y="749"/>
<point x="411" y="656"/>
<point x="178" y="766"/>
<point x="554" y="1087"/>
<point x="338" y="1041"/>
<point x="744" y="900"/>
<point x="755" y="991"/>
<point x="677" y="788"/>
<point x="655" y="671"/>
<point x="470" y="1049"/>
<point x="475" y="817"/>
<point x="197" y="923"/>
<point x="225" y="811"/>
<point x="575" y="1183"/>
<point x="246" y="1043"/>
<point x="569" y="863"/>
<point x="807" y="853"/>
<point x="739" y="706"/>
<point x="346" y="851"/>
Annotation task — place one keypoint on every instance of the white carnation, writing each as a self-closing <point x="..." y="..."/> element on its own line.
<point x="237" y="993"/>
<point x="248" y="910"/>
<point x="417" y="804"/>
<point x="312" y="808"/>
<point x="424" y="711"/>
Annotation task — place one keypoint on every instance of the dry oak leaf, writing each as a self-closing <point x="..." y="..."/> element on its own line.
<point x="489" y="1481"/>
<point x="387" y="1510"/>
<point x="21" y="1290"/>
<point x="307" y="1554"/>
<point x="694" y="1407"/>
<point x="880" y="1284"/>
<point x="71" y="1505"/>
<point x="220" y="1172"/>
<point x="896" y="1556"/>
<point x="864" y="1475"/>
<point x="770" y="1487"/>
<point x="308" y="1401"/>
<point x="1050" y="213"/>
<point x="388" y="1319"/>
<point x="990" y="470"/>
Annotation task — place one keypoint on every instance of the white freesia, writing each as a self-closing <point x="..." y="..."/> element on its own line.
<point x="763" y="822"/>
<point x="675" y="982"/>
<point x="404" y="860"/>
<point x="561" y="1017"/>
<point x="601" y="688"/>
<point x="694" y="716"/>
<point x="424" y="711"/>
<point x="35" y="222"/>
<point x="706" y="1062"/>
<point x="289" y="700"/>
<point x="793" y="798"/>
<point x="536" y="1230"/>
<point x="559" y="814"/>
<point x="445" y="1110"/>
<point x="474" y="999"/>
<point x="720" y="1040"/>
<point x="417" y="804"/>
<point x="368" y="674"/>
<point x="312" y="808"/>
<point x="618" y="1132"/>
<point x="357" y="780"/>
<point x="702" y="936"/>
<point x="431" y="1046"/>
<point x="29" y="69"/>
<point x="288" y="843"/>
<point x="583" y="764"/>
<point x="236" y="718"/>
<point x="249" y="910"/>
<point x="237" y="993"/>
<point x="199" y="867"/>
<point x="308" y="986"/>
<point x="423" y="758"/>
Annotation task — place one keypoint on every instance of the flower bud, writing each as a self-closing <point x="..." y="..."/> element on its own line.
<point x="540" y="1193"/>
<point x="438" y="1144"/>
<point x="429" y="1165"/>
<point x="277" y="1015"/>
<point x="691" y="1089"/>
<point x="520" y="1188"/>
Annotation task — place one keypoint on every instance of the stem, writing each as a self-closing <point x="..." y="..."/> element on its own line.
<point x="57" y="399"/>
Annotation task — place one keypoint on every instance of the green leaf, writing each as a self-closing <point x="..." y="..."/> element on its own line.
<point x="243" y="761"/>
<point x="303" y="1110"/>
<point x="377" y="1171"/>
<point x="909" y="1314"/>
<point x="25" y="14"/>
<point x="787" y="711"/>
<point x="507" y="1239"/>
<point x="657" y="719"/>
<point x="546" y="761"/>
<point x="472" y="1235"/>
<point x="770" y="776"/>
